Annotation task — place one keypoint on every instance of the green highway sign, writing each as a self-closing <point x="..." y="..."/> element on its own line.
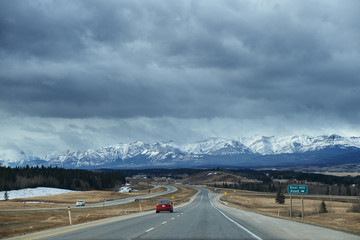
<point x="297" y="189"/>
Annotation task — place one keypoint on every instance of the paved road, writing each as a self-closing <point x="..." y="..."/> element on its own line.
<point x="275" y="228"/>
<point x="170" y="189"/>
<point x="204" y="218"/>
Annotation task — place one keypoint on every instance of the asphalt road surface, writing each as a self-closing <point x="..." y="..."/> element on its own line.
<point x="204" y="218"/>
<point x="170" y="189"/>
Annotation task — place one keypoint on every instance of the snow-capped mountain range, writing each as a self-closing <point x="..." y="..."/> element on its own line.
<point x="242" y="152"/>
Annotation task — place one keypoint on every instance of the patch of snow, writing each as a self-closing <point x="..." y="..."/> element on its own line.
<point x="33" y="192"/>
<point x="125" y="189"/>
<point x="211" y="173"/>
<point x="152" y="154"/>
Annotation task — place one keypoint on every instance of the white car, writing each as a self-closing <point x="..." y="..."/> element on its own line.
<point x="80" y="203"/>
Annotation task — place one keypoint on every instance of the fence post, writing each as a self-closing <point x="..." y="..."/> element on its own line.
<point x="69" y="211"/>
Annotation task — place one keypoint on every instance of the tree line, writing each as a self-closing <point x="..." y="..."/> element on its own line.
<point x="73" y="179"/>
<point x="270" y="181"/>
<point x="313" y="177"/>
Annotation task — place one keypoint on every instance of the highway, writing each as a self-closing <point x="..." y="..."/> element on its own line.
<point x="204" y="218"/>
<point x="169" y="189"/>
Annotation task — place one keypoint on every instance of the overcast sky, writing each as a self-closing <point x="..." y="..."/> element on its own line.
<point x="85" y="74"/>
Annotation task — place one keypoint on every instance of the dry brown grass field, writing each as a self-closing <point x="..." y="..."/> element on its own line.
<point x="338" y="216"/>
<point x="69" y="199"/>
<point x="19" y="222"/>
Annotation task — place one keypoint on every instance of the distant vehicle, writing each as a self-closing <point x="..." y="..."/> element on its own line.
<point x="164" y="205"/>
<point x="80" y="203"/>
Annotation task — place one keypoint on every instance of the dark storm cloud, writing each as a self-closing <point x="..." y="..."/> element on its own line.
<point x="187" y="59"/>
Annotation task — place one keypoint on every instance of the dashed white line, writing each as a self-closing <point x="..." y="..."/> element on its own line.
<point x="150" y="229"/>
<point x="178" y="215"/>
<point x="164" y="222"/>
<point x="172" y="218"/>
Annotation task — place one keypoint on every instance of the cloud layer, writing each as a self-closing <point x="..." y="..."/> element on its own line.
<point x="191" y="69"/>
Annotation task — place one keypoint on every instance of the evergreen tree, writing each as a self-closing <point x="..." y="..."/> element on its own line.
<point x="322" y="207"/>
<point x="17" y="178"/>
<point x="6" y="196"/>
<point x="280" y="198"/>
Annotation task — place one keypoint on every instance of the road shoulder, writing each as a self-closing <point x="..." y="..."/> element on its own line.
<point x="272" y="228"/>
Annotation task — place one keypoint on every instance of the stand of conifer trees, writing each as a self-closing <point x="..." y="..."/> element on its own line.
<point x="74" y="179"/>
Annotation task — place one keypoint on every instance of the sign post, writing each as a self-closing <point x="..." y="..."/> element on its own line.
<point x="297" y="189"/>
<point x="302" y="207"/>
<point x="290" y="205"/>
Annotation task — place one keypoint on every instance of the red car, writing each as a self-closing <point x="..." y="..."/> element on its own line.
<point x="164" y="205"/>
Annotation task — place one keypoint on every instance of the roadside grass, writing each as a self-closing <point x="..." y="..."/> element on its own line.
<point x="69" y="199"/>
<point x="338" y="217"/>
<point x="19" y="222"/>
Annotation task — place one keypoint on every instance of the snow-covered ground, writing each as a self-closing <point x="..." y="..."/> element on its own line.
<point x="33" y="192"/>
<point x="125" y="189"/>
<point x="210" y="173"/>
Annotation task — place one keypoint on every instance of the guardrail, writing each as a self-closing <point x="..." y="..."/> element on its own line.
<point x="137" y="211"/>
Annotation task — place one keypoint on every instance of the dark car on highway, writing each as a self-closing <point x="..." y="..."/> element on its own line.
<point x="164" y="205"/>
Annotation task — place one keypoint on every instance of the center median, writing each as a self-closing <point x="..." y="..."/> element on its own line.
<point x="87" y="217"/>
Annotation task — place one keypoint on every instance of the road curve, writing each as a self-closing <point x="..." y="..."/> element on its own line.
<point x="204" y="218"/>
<point x="169" y="189"/>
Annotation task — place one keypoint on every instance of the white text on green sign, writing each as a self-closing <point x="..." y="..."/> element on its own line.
<point x="298" y="189"/>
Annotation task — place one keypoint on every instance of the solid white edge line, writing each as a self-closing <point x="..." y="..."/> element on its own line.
<point x="237" y="224"/>
<point x="150" y="229"/>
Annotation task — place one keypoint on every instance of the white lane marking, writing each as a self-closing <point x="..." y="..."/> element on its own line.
<point x="178" y="215"/>
<point x="150" y="229"/>
<point x="172" y="218"/>
<point x="164" y="222"/>
<point x="246" y="230"/>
